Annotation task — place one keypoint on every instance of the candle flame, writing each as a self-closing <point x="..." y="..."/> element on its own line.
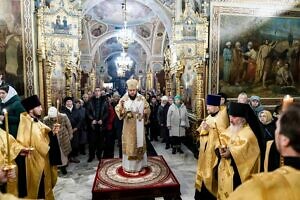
<point x="4" y="110"/>
<point x="287" y="96"/>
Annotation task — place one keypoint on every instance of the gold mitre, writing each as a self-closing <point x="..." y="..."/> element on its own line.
<point x="132" y="84"/>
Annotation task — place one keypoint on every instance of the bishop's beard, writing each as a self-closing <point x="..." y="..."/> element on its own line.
<point x="234" y="129"/>
<point x="132" y="97"/>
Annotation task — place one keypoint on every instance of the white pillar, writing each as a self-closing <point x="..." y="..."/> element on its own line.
<point x="178" y="9"/>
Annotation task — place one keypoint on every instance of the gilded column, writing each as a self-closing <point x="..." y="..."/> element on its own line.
<point x="49" y="67"/>
<point x="41" y="67"/>
<point x="78" y="83"/>
<point x="178" y="77"/>
<point x="200" y="92"/>
<point x="168" y="82"/>
<point x="178" y="9"/>
<point x="68" y="73"/>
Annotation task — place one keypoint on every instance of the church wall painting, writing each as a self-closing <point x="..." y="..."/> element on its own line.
<point x="264" y="54"/>
<point x="11" y="50"/>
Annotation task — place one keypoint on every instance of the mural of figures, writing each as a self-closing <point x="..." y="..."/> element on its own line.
<point x="265" y="57"/>
<point x="11" y="54"/>
<point x="61" y="25"/>
<point x="143" y="31"/>
<point x="98" y="30"/>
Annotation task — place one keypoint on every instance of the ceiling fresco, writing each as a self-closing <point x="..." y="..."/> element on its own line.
<point x="110" y="12"/>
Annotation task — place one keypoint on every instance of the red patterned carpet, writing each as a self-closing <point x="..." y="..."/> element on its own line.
<point x="157" y="180"/>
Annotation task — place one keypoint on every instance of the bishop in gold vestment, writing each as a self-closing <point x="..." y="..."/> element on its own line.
<point x="216" y="122"/>
<point x="240" y="152"/>
<point x="15" y="150"/>
<point x="40" y="164"/>
<point x="284" y="182"/>
<point x="134" y="110"/>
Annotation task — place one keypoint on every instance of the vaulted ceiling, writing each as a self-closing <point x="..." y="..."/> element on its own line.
<point x="150" y="20"/>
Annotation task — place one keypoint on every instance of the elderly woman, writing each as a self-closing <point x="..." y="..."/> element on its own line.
<point x="177" y="122"/>
<point x="268" y="124"/>
<point x="65" y="134"/>
<point x="11" y="102"/>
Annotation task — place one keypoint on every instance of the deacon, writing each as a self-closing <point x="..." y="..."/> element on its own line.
<point x="38" y="171"/>
<point x="134" y="110"/>
<point x="239" y="150"/>
<point x="283" y="183"/>
<point x="216" y="122"/>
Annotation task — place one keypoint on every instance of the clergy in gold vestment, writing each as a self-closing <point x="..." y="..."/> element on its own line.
<point x="40" y="164"/>
<point x="283" y="183"/>
<point x="134" y="110"/>
<point x="15" y="150"/>
<point x="217" y="121"/>
<point x="239" y="151"/>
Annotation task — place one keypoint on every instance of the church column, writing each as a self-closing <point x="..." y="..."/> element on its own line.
<point x="200" y="91"/>
<point x="41" y="66"/>
<point x="178" y="9"/>
<point x="149" y="80"/>
<point x="168" y="82"/>
<point x="41" y="55"/>
<point x="178" y="83"/>
<point x="49" y="67"/>
<point x="92" y="80"/>
<point x="68" y="73"/>
<point x="78" y="83"/>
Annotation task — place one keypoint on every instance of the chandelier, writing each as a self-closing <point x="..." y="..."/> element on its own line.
<point x="123" y="63"/>
<point x="125" y="36"/>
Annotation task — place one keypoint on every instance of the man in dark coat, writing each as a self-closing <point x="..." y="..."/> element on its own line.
<point x="74" y="116"/>
<point x="97" y="113"/>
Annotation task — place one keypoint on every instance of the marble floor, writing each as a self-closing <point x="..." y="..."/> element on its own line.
<point x="77" y="184"/>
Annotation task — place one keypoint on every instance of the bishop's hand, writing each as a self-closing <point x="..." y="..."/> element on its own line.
<point x="224" y="152"/>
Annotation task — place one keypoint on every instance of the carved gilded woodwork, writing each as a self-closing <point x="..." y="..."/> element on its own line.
<point x="59" y="32"/>
<point x="185" y="70"/>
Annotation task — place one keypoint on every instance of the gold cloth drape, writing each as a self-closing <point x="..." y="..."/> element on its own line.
<point x="282" y="183"/>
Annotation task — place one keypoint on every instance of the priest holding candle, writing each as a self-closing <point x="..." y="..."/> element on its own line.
<point x="10" y="149"/>
<point x="37" y="171"/>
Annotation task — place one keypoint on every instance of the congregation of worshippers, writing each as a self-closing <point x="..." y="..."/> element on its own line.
<point x="243" y="147"/>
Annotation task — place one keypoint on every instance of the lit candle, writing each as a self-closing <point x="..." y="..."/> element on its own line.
<point x="287" y="100"/>
<point x="7" y="135"/>
<point x="57" y="107"/>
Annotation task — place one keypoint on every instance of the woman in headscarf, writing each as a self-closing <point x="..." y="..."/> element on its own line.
<point x="268" y="125"/>
<point x="12" y="103"/>
<point x="177" y="122"/>
<point x="64" y="135"/>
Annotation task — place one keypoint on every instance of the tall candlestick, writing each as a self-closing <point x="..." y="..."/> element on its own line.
<point x="204" y="109"/>
<point x="287" y="100"/>
<point x="30" y="136"/>
<point x="57" y="107"/>
<point x="7" y="135"/>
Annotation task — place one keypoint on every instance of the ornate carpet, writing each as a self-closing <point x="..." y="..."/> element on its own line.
<point x="157" y="180"/>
